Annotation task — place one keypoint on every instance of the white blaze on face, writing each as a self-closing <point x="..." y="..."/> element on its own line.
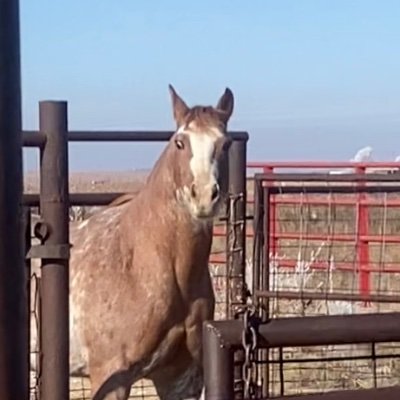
<point x="204" y="169"/>
<point x="202" y="164"/>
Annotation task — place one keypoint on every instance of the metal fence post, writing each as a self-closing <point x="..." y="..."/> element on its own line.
<point x="218" y="365"/>
<point x="26" y="237"/>
<point x="236" y="239"/>
<point x="269" y="212"/>
<point x="54" y="205"/>
<point x="14" y="326"/>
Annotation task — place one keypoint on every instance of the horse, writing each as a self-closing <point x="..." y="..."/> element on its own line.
<point x="140" y="287"/>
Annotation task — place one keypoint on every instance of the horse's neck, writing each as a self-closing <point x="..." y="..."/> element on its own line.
<point x="169" y="217"/>
<point x="160" y="187"/>
<point x="168" y="228"/>
<point x="159" y="199"/>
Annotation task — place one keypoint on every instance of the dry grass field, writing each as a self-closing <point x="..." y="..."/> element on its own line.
<point x="305" y="376"/>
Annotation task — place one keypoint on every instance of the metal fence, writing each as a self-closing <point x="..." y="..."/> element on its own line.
<point x="364" y="227"/>
<point x="278" y="287"/>
<point x="295" y="336"/>
<point x="282" y="369"/>
<point x="49" y="298"/>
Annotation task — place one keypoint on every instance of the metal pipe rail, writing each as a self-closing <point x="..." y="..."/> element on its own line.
<point x="326" y="177"/>
<point x="331" y="296"/>
<point x="81" y="199"/>
<point x="312" y="331"/>
<point x="270" y="166"/>
<point x="222" y="338"/>
<point x="38" y="139"/>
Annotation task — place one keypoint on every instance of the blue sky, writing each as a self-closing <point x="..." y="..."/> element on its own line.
<point x="312" y="79"/>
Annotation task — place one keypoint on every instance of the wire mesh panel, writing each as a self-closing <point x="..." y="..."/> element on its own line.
<point x="319" y="249"/>
<point x="304" y="370"/>
<point x="331" y="252"/>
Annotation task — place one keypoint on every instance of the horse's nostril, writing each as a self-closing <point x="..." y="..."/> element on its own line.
<point x="215" y="192"/>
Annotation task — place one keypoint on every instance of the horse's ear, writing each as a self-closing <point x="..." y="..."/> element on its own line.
<point x="180" y="109"/>
<point x="225" y="105"/>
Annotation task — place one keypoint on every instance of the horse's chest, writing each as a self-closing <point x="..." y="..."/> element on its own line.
<point x="191" y="327"/>
<point x="182" y="343"/>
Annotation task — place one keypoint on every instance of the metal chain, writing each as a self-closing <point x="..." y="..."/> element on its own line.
<point x="235" y="248"/>
<point x="249" y="341"/>
<point x="247" y="308"/>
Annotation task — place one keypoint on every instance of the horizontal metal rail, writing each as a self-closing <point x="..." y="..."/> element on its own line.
<point x="305" y="199"/>
<point x="81" y="199"/>
<point x="338" y="237"/>
<point x="221" y="231"/>
<point x="326" y="177"/>
<point x="313" y="360"/>
<point x="291" y="295"/>
<point x="339" y="266"/>
<point x="332" y="189"/>
<point x="313" y="331"/>
<point x="34" y="139"/>
<point x="37" y="139"/>
<point x="222" y="338"/>
<point x="346" y="266"/>
<point x="323" y="164"/>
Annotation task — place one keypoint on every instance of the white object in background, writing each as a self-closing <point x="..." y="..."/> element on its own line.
<point x="362" y="155"/>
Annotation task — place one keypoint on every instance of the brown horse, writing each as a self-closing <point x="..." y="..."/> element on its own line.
<point x="140" y="287"/>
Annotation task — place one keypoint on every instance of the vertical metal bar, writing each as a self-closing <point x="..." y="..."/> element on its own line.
<point x="265" y="281"/>
<point x="26" y="218"/>
<point x="225" y="189"/>
<point x="273" y="216"/>
<point x="362" y="244"/>
<point x="265" y="284"/>
<point x="281" y="373"/>
<point x="258" y="220"/>
<point x="374" y="366"/>
<point x="218" y="367"/>
<point x="237" y="231"/>
<point x="14" y="376"/>
<point x="236" y="239"/>
<point x="54" y="203"/>
<point x="258" y="252"/>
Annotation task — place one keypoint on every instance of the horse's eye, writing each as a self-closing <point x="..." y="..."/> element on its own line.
<point x="179" y="144"/>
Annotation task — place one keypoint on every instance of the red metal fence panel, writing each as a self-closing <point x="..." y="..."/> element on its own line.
<point x="363" y="204"/>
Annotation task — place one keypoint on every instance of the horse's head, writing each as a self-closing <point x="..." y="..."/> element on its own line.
<point x="200" y="144"/>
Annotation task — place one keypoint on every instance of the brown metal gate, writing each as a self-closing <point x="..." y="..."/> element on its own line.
<point x="263" y="334"/>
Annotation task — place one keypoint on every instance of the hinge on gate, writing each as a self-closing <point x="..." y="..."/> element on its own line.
<point x="50" y="251"/>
